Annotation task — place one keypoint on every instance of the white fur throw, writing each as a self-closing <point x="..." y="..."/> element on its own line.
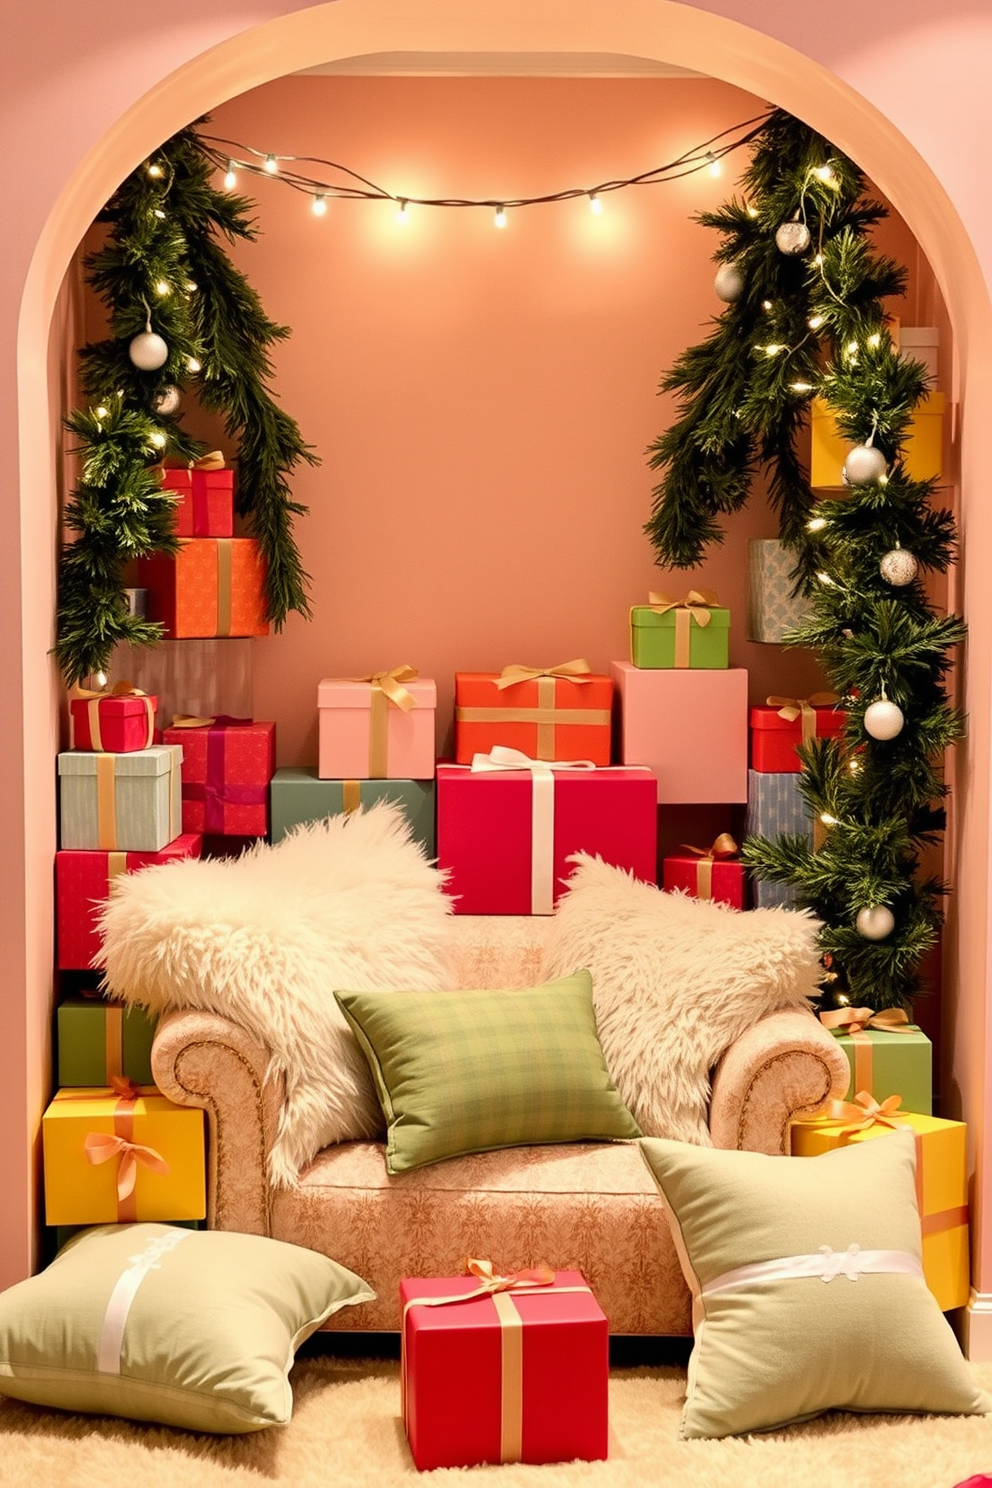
<point x="264" y="939"/>
<point x="675" y="981"/>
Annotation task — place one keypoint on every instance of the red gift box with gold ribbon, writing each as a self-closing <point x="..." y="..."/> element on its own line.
<point x="783" y="723"/>
<point x="82" y="885"/>
<point x="204" y="497"/>
<point x="713" y="872"/>
<point x="503" y="1368"/>
<point x="227" y="766"/>
<point x="118" y="720"/>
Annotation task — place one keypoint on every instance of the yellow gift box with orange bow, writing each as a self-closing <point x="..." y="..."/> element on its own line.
<point x="941" y="1178"/>
<point x="122" y="1153"/>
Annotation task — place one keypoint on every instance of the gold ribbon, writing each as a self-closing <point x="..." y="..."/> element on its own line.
<point x="721" y="848"/>
<point x="93" y="698"/>
<point x="695" y="607"/>
<point x="113" y="1040"/>
<point x="804" y="708"/>
<point x="100" y="1147"/>
<point x="225" y="556"/>
<point x="106" y="801"/>
<point x="213" y="460"/>
<point x="387" y="687"/>
<point x="865" y="1111"/>
<point x="190" y="720"/>
<point x="853" y="1022"/>
<point x="351" y="796"/>
<point x="572" y="671"/>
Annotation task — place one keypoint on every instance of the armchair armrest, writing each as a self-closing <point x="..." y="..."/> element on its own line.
<point x="200" y="1059"/>
<point x="786" y="1065"/>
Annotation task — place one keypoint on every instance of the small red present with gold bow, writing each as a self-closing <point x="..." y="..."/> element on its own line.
<point x="713" y="872"/>
<point x="111" y="720"/>
<point x="204" y="496"/>
<point x="507" y="1368"/>
<point x="941" y="1178"/>
<point x="783" y="723"/>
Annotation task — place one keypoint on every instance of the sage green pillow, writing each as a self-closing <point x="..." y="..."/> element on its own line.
<point x="191" y="1328"/>
<point x="461" y="1072"/>
<point x="808" y="1292"/>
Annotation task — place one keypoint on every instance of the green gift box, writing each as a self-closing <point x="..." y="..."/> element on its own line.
<point x="97" y="1040"/>
<point x="297" y="794"/>
<point x="668" y="633"/>
<point x="887" y="1063"/>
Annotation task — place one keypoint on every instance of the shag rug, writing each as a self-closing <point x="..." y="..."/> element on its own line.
<point x="347" y="1431"/>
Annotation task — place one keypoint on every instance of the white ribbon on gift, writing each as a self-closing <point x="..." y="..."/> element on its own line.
<point x="826" y="1265"/>
<point x="542" y="832"/>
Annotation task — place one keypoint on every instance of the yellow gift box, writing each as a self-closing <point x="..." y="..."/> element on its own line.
<point x="113" y="1156"/>
<point x="923" y="449"/>
<point x="941" y="1189"/>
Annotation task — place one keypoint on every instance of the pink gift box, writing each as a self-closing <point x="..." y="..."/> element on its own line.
<point x="366" y="738"/>
<point x="227" y="767"/>
<point x="82" y="885"/>
<point x="689" y="727"/>
<point x="506" y="851"/>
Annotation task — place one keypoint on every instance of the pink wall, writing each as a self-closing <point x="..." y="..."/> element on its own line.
<point x="871" y="79"/>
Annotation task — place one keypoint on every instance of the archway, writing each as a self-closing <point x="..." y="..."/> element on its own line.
<point x="659" y="29"/>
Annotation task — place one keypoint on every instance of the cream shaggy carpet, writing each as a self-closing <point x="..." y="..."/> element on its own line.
<point x="346" y="1431"/>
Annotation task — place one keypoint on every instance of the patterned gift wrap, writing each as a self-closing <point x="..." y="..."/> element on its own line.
<point x="782" y="724"/>
<point x="82" y="884"/>
<point x="379" y="727"/>
<point x="213" y="586"/>
<point x="204" y="498"/>
<point x="774" y="807"/>
<point x="563" y="713"/>
<point x="227" y="766"/>
<point x="772" y="608"/>
<point x="517" y="1375"/>
<point x="120" y="802"/>
<point x="689" y="727"/>
<point x="115" y="722"/>
<point x="113" y="1156"/>
<point x="98" y="1041"/>
<point x="297" y="795"/>
<point x="694" y="632"/>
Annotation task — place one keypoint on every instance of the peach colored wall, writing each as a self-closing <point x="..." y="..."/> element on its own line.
<point x="901" y="85"/>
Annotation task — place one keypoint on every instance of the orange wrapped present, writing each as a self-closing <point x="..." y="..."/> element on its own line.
<point x="213" y="586"/>
<point x="555" y="713"/>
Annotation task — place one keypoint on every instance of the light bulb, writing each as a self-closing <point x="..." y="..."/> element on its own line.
<point x="752" y="211"/>
<point x="766" y="304"/>
<point x="159" y="214"/>
<point x="191" y="286"/>
<point x="155" y="170"/>
<point x="773" y="350"/>
<point x="816" y="524"/>
<point x="713" y="165"/>
<point x="818" y="260"/>
<point x="162" y="287"/>
<point x="874" y="340"/>
<point x="595" y="205"/>
<point x="825" y="174"/>
<point x="801" y="387"/>
<point x="101" y="679"/>
<point x="827" y="819"/>
<point x="158" y="439"/>
<point x="401" y="212"/>
<point x="194" y="365"/>
<point x="319" y="205"/>
<point x="270" y="165"/>
<point x="815" y="322"/>
<point x="499" y="220"/>
<point x="854" y="766"/>
<point x="102" y="412"/>
<point x="825" y="578"/>
<point x="230" y="179"/>
<point x="851" y="348"/>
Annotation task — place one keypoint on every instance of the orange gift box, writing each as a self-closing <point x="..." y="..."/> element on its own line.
<point x="213" y="586"/>
<point x="546" y="715"/>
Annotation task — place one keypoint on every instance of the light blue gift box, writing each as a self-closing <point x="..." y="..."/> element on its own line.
<point x="774" y="807"/>
<point x="142" y="799"/>
<point x="772" y="609"/>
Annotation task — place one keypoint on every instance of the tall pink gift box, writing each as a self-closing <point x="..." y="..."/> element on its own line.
<point x="689" y="727"/>
<point x="487" y="829"/>
<point x="346" y="744"/>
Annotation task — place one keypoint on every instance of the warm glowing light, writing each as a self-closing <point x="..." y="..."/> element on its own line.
<point x="851" y="348"/>
<point x="712" y="164"/>
<point x="815" y="322"/>
<point x="801" y="387"/>
<point x="401" y="213"/>
<point x="163" y="287"/>
<point x="818" y="260"/>
<point x="158" y="439"/>
<point x="270" y="164"/>
<point x="774" y="349"/>
<point x="595" y="205"/>
<point x="766" y="304"/>
<point x="230" y="179"/>
<point x="816" y="524"/>
<point x="827" y="819"/>
<point x="100" y="679"/>
<point x="883" y="479"/>
<point x="102" y="412"/>
<point x="194" y="365"/>
<point x="752" y="211"/>
<point x="159" y="214"/>
<point x="825" y="578"/>
<point x="319" y="205"/>
<point x="156" y="171"/>
<point x="499" y="220"/>
<point x="825" y="174"/>
<point x="191" y="286"/>
<point x="854" y="765"/>
<point x="874" y="340"/>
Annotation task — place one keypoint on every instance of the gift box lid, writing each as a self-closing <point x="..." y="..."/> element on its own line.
<point x="345" y="692"/>
<point x="155" y="761"/>
<point x="118" y="705"/>
<point x="643" y="617"/>
<point x="830" y="719"/>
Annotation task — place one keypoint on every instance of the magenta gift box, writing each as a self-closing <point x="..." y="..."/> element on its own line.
<point x="689" y="727"/>
<point x="504" y="855"/>
<point x="227" y="767"/>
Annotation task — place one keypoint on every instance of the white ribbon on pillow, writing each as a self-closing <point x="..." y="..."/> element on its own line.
<point x="542" y="832"/>
<point x="827" y="1264"/>
<point x="108" y="1357"/>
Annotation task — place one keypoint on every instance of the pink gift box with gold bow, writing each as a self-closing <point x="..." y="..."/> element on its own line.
<point x="515" y="1374"/>
<point x="377" y="727"/>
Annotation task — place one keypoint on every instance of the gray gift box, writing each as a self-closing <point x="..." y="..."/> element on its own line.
<point x="774" y="806"/>
<point x="771" y="607"/>
<point x="296" y="795"/>
<point x="127" y="803"/>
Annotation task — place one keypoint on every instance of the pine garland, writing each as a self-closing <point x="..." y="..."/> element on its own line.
<point x="165" y="267"/>
<point x="814" y="324"/>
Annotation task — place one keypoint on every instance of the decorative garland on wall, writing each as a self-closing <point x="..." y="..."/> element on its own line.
<point x="804" y="317"/>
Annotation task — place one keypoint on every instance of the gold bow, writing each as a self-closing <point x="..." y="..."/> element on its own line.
<point x="721" y="847"/>
<point x="490" y="1281"/>
<point x="119" y="689"/>
<point x="852" y="1019"/>
<point x="391" y="683"/>
<point x="697" y="601"/>
<point x="213" y="460"/>
<point x="190" y="720"/>
<point x="865" y="1111"/>
<point x="792" y="708"/>
<point x="574" y="671"/>
<point x="100" y="1147"/>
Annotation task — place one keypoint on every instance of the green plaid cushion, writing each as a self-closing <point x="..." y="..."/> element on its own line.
<point x="460" y="1072"/>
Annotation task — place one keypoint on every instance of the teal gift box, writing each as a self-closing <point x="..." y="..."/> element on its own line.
<point x="886" y="1062"/>
<point x="297" y="794"/>
<point x="120" y="802"/>
<point x="97" y="1040"/>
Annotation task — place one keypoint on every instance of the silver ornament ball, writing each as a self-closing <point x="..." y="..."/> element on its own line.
<point x="876" y="922"/>
<point x="167" y="401"/>
<point x="729" y="283"/>
<point x="898" y="567"/>
<point x="148" y="352"/>
<point x="792" y="238"/>
<point x="884" y="720"/>
<point x="864" y="463"/>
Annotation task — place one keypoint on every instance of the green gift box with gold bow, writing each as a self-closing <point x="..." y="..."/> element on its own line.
<point x="888" y="1055"/>
<point x="671" y="633"/>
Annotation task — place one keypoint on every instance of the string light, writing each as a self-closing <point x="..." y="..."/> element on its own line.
<point x="159" y="214"/>
<point x="102" y="412"/>
<point x="158" y="439"/>
<point x="774" y="349"/>
<point x="801" y="387"/>
<point x="162" y="287"/>
<point x="319" y="205"/>
<point x="825" y="578"/>
<point x="712" y="164"/>
<point x="194" y="365"/>
<point x="827" y="819"/>
<point x="499" y="217"/>
<point x="874" y="340"/>
<point x="816" y="524"/>
<point x="766" y="305"/>
<point x="825" y="174"/>
<point x="401" y="213"/>
<point x="595" y="205"/>
<point x="156" y="171"/>
<point x="815" y="322"/>
<point x="230" y="179"/>
<point x="752" y="211"/>
<point x="270" y="165"/>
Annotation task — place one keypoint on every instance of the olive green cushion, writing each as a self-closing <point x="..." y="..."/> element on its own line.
<point x="460" y="1072"/>
<point x="771" y="1351"/>
<point x="191" y="1328"/>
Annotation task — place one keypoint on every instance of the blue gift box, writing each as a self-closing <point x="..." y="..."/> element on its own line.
<point x="774" y="807"/>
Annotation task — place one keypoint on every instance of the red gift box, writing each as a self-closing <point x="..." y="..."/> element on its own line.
<point x="120" y="721"/>
<point x="784" y="723"/>
<point x="227" y="766"/>
<point x="204" y="501"/>
<point x="82" y="883"/>
<point x="519" y="1375"/>
<point x="505" y="832"/>
<point x="707" y="873"/>
<point x="561" y="714"/>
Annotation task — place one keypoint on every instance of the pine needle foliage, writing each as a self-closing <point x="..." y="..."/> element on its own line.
<point x="814" y="324"/>
<point x="165" y="267"/>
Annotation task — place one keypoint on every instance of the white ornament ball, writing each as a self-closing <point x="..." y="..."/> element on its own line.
<point x="148" y="352"/>
<point x="729" y="283"/>
<point x="864" y="463"/>
<point x="167" y="401"/>
<point x="884" y="720"/>
<point x="898" y="567"/>
<point x="792" y="238"/>
<point x="876" y="922"/>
